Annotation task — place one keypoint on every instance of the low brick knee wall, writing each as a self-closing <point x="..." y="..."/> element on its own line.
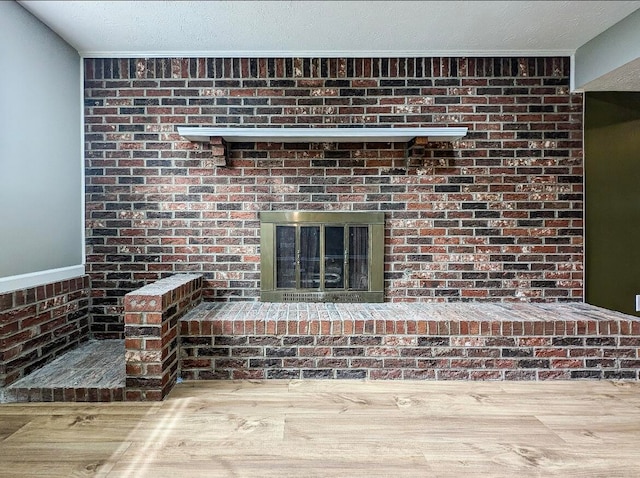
<point x="411" y="341"/>
<point x="39" y="324"/>
<point x="152" y="314"/>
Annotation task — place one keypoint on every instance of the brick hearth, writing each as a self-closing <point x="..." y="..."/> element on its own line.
<point x="251" y="340"/>
<point x="92" y="372"/>
<point x="476" y="341"/>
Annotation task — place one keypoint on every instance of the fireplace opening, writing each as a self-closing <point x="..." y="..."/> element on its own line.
<point x="321" y="256"/>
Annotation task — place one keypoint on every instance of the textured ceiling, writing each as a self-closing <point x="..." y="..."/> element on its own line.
<point x="300" y="28"/>
<point x="328" y="28"/>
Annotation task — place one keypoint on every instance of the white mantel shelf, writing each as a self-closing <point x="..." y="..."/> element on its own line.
<point x="321" y="135"/>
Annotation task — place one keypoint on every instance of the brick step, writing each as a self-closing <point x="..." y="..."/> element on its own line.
<point x="93" y="372"/>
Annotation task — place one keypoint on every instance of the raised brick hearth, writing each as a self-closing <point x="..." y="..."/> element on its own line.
<point x="408" y="341"/>
<point x="244" y="340"/>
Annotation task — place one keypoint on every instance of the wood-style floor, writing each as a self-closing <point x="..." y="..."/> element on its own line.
<point x="335" y="428"/>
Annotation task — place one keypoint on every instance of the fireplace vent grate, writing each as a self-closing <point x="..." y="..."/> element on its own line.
<point x="321" y="297"/>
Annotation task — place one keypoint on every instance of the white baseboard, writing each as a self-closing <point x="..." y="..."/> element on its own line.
<point x="33" y="279"/>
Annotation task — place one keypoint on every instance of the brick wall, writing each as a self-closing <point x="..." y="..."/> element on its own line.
<point x="39" y="324"/>
<point x="496" y="216"/>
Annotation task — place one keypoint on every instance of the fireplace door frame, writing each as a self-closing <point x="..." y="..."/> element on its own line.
<point x="307" y="220"/>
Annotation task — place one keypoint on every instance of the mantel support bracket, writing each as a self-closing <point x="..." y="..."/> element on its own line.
<point x="219" y="151"/>
<point x="415" y="151"/>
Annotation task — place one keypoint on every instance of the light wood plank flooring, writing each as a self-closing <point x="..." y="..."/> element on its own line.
<point x="335" y="428"/>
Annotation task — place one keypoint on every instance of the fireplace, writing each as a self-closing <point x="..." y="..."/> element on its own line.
<point x="321" y="256"/>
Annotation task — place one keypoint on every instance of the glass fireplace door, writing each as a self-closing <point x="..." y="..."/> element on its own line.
<point x="286" y="258"/>
<point x="359" y="257"/>
<point x="309" y="257"/>
<point x="322" y="257"/>
<point x="334" y="255"/>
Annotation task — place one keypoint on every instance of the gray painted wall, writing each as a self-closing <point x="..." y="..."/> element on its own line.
<point x="40" y="147"/>
<point x="612" y="53"/>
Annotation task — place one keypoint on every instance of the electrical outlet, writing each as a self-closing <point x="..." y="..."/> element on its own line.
<point x="637" y="303"/>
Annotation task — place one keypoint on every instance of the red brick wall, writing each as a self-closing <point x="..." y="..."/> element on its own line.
<point x="496" y="216"/>
<point x="39" y="324"/>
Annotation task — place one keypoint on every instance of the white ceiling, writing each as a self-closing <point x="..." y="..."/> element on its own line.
<point x="301" y="28"/>
<point x="328" y="28"/>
